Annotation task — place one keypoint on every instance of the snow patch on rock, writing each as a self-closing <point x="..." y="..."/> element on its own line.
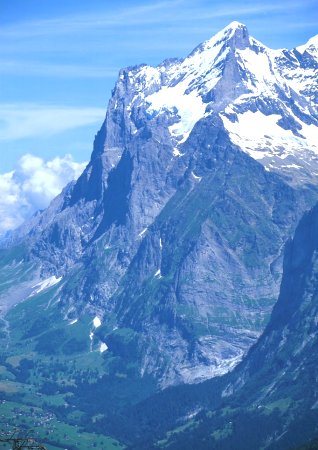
<point x="97" y="322"/>
<point x="103" y="347"/>
<point x="158" y="274"/>
<point x="45" y="284"/>
<point x="72" y="322"/>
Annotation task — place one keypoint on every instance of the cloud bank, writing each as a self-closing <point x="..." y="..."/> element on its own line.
<point x="32" y="185"/>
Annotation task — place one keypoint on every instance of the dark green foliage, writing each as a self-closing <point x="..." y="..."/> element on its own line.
<point x="22" y="371"/>
<point x="51" y="341"/>
<point x="37" y="327"/>
<point x="123" y="342"/>
<point x="74" y="345"/>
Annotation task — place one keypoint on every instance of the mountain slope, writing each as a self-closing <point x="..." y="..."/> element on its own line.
<point x="274" y="390"/>
<point x="205" y="277"/>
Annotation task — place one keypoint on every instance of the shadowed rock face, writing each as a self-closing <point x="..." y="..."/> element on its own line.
<point x="203" y="281"/>
<point x="274" y="389"/>
<point x="172" y="229"/>
<point x="291" y="335"/>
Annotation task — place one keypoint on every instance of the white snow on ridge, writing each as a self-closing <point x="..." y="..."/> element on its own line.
<point x="260" y="136"/>
<point x="190" y="107"/>
<point x="257" y="67"/>
<point x="186" y="82"/>
<point x="300" y="81"/>
<point x="311" y="46"/>
<point x="45" y="284"/>
<point x="254" y="125"/>
<point x="177" y="89"/>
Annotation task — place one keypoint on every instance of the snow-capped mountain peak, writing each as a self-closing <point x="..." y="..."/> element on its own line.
<point x="310" y="47"/>
<point x="266" y="98"/>
<point x="181" y="88"/>
<point x="235" y="35"/>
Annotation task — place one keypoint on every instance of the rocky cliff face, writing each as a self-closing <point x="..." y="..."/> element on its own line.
<point x="286" y="349"/>
<point x="270" y="400"/>
<point x="174" y="231"/>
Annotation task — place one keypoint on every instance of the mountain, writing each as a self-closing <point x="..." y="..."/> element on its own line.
<point x="274" y="389"/>
<point x="161" y="264"/>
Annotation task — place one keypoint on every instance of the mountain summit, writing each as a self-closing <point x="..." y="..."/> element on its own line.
<point x="235" y="34"/>
<point x="173" y="235"/>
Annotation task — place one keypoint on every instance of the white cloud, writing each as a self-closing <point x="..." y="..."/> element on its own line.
<point x="24" y="120"/>
<point x="32" y="185"/>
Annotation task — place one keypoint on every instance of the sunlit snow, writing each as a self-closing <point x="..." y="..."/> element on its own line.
<point x="177" y="152"/>
<point x="45" y="284"/>
<point x="185" y="95"/>
<point x="196" y="177"/>
<point x="311" y="46"/>
<point x="103" y="347"/>
<point x="260" y="136"/>
<point x="141" y="234"/>
<point x="186" y="83"/>
<point x="190" y="107"/>
<point x="72" y="322"/>
<point x="97" y="322"/>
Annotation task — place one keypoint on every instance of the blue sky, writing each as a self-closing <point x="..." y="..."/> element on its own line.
<point x="59" y="59"/>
